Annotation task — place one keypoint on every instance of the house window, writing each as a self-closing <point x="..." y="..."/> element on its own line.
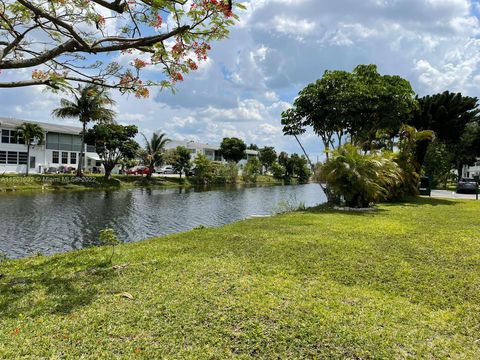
<point x="12" y="157"/>
<point x="8" y="137"/>
<point x="3" y="157"/>
<point x="5" y="136"/>
<point x="73" y="158"/>
<point x="210" y="154"/>
<point x="64" y="157"/>
<point x="22" y="158"/>
<point x="89" y="162"/>
<point x="54" y="157"/>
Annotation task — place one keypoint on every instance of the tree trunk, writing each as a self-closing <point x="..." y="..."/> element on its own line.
<point x="151" y="169"/>
<point x="459" y="170"/>
<point x="28" y="159"/>
<point x="306" y="155"/>
<point x="82" y="152"/>
<point x="108" y="170"/>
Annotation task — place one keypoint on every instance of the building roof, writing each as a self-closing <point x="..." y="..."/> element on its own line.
<point x="48" y="127"/>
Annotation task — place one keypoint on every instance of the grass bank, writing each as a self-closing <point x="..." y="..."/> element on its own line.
<point x="403" y="282"/>
<point x="63" y="182"/>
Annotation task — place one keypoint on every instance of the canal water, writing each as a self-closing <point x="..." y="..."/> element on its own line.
<point x="56" y="222"/>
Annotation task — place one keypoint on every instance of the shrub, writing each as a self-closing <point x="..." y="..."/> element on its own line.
<point x="107" y="237"/>
<point x="251" y="170"/>
<point x="278" y="171"/>
<point x="361" y="179"/>
<point x="226" y="173"/>
<point x="204" y="170"/>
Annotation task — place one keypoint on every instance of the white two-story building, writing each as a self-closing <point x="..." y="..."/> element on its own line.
<point x="211" y="152"/>
<point x="60" y="149"/>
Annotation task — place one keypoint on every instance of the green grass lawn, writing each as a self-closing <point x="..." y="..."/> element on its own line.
<point x="403" y="282"/>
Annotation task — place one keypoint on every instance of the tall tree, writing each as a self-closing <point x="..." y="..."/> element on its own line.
<point x="233" y="149"/>
<point x="354" y="105"/>
<point x="90" y="104"/>
<point x="32" y="134"/>
<point x="113" y="143"/>
<point x="154" y="151"/>
<point x="448" y="115"/>
<point x="76" y="35"/>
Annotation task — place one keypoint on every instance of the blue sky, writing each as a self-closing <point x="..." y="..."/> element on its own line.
<point x="279" y="47"/>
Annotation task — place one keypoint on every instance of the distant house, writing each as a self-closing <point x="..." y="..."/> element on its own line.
<point x="471" y="172"/>
<point x="212" y="152"/>
<point x="61" y="148"/>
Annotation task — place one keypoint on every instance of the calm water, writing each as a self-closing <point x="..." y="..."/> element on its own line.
<point x="57" y="222"/>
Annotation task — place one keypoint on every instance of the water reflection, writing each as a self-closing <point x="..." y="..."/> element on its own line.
<point x="57" y="222"/>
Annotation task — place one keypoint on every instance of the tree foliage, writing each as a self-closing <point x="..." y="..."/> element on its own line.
<point x="438" y="164"/>
<point x="448" y="115"/>
<point x="113" y="142"/>
<point x="75" y="41"/>
<point x="267" y="156"/>
<point x="91" y="103"/>
<point x="354" y="105"/>
<point x="180" y="160"/>
<point x="361" y="179"/>
<point x="233" y="149"/>
<point x="251" y="170"/>
<point x="204" y="170"/>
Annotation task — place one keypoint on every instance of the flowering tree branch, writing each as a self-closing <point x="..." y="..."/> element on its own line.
<point x="109" y="43"/>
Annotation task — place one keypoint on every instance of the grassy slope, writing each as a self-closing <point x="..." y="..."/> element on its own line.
<point x="403" y="282"/>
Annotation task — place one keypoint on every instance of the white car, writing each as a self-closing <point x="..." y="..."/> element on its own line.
<point x="167" y="169"/>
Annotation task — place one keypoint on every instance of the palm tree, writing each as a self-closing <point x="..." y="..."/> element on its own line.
<point x="31" y="134"/>
<point x="89" y="105"/>
<point x="361" y="178"/>
<point x="154" y="149"/>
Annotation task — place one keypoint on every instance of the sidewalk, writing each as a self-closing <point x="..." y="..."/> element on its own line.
<point x="447" y="194"/>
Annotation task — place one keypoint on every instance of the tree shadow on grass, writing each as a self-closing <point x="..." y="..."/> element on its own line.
<point x="326" y="209"/>
<point x="51" y="287"/>
<point x="420" y="201"/>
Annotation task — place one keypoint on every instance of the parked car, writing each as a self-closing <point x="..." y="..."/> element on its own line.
<point x="51" y="170"/>
<point x="138" y="170"/>
<point x="167" y="169"/>
<point x="466" y="186"/>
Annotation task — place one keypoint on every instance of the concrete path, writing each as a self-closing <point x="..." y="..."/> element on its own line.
<point x="447" y="194"/>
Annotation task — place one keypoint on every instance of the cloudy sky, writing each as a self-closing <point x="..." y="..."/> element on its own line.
<point x="282" y="45"/>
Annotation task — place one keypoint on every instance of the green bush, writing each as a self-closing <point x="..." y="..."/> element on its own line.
<point x="251" y="170"/>
<point x="204" y="170"/>
<point x="226" y="173"/>
<point x="360" y="179"/>
<point x="107" y="237"/>
<point x="278" y="171"/>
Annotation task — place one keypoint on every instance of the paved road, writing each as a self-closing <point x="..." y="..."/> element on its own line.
<point x="446" y="194"/>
